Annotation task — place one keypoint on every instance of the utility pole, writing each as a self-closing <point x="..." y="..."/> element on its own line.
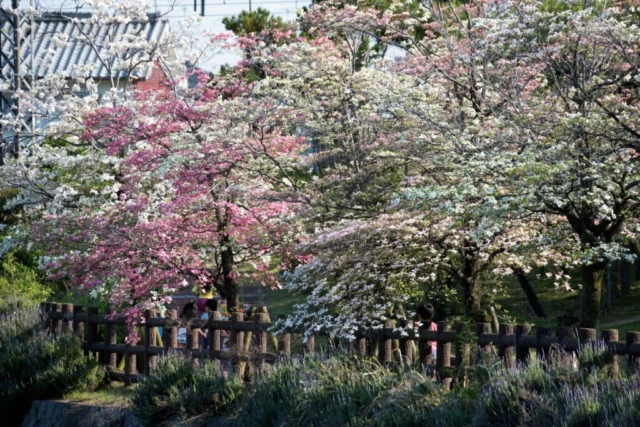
<point x="10" y="63"/>
<point x="11" y="74"/>
<point x="249" y="6"/>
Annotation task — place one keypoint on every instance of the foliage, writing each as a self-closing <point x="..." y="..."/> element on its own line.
<point x="179" y="391"/>
<point x="255" y="22"/>
<point x="504" y="137"/>
<point x="35" y="365"/>
<point x="19" y="281"/>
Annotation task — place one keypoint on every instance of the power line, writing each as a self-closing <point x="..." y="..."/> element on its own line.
<point x="232" y="4"/>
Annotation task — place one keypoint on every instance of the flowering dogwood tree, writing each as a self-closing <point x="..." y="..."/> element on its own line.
<point x="131" y="198"/>
<point x="531" y="128"/>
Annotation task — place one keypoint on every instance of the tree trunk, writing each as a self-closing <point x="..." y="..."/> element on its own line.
<point x="530" y="294"/>
<point x="230" y="284"/>
<point x="634" y="245"/>
<point x="472" y="296"/>
<point x="470" y="283"/>
<point x="625" y="277"/>
<point x="592" y="280"/>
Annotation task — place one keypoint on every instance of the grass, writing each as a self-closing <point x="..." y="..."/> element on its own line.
<point x="514" y="307"/>
<point x="113" y="394"/>
<point x="282" y="302"/>
<point x="557" y="302"/>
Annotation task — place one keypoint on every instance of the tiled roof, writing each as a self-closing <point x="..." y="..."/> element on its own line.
<point x="76" y="28"/>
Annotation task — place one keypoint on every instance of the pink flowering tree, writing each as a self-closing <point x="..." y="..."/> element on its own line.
<point x="130" y="199"/>
<point x="197" y="197"/>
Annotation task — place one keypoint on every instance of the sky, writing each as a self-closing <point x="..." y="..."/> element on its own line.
<point x="214" y="11"/>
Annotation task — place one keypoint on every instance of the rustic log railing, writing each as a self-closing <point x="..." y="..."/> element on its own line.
<point x="513" y="343"/>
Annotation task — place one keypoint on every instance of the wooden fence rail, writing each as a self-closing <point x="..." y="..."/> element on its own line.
<point x="512" y="343"/>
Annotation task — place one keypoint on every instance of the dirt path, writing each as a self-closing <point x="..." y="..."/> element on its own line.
<point x="620" y="322"/>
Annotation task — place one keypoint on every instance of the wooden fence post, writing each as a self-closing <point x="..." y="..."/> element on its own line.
<point x="261" y="338"/>
<point x="350" y="346"/>
<point x="110" y="338"/>
<point x="193" y="342"/>
<point x="56" y="324"/>
<point x="78" y="326"/>
<point x="67" y="325"/>
<point x="443" y="356"/>
<point x="587" y="335"/>
<point x="481" y="329"/>
<point x="45" y="307"/>
<point x="633" y="360"/>
<point x="505" y="349"/>
<point x="284" y="343"/>
<point x="541" y="332"/>
<point x="92" y="331"/>
<point x="385" y="343"/>
<point x="215" y="335"/>
<point x="150" y="333"/>
<point x="130" y="367"/>
<point x="463" y="355"/>
<point x="310" y="346"/>
<point x="236" y="339"/>
<point x="361" y="345"/>
<point x="170" y="330"/>
<point x="522" y="351"/>
<point x="608" y="336"/>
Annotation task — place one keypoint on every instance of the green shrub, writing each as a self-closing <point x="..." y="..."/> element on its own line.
<point x="35" y="365"/>
<point x="179" y="391"/>
<point x="20" y="281"/>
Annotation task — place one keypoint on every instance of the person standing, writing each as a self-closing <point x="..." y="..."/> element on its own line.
<point x="210" y="306"/>
<point x="425" y="317"/>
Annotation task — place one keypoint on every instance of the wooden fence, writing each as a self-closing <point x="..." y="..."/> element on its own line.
<point x="455" y="348"/>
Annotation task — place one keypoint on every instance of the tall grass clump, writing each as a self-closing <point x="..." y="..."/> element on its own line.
<point x="275" y="394"/>
<point x="180" y="392"/>
<point x="36" y="365"/>
<point x="346" y="391"/>
<point x="560" y="393"/>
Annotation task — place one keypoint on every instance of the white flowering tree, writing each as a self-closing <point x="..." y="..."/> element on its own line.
<point x="527" y="133"/>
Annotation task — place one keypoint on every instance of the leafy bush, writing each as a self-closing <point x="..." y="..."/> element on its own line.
<point x="35" y="365"/>
<point x="180" y="391"/>
<point x="18" y="280"/>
